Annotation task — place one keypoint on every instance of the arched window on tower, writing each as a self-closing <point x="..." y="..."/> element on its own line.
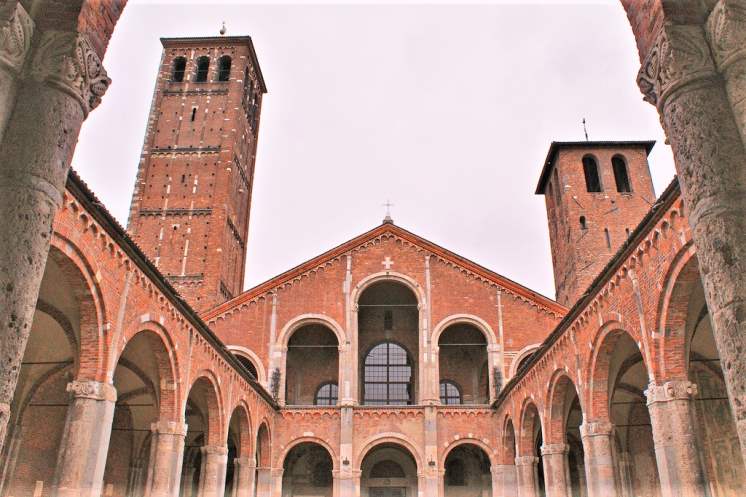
<point x="620" y="174"/>
<point x="179" y="68"/>
<point x="327" y="395"/>
<point x="224" y="68"/>
<point x="203" y="67"/>
<point x="450" y="394"/>
<point x="592" y="179"/>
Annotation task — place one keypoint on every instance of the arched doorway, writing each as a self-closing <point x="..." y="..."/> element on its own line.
<point x="312" y="372"/>
<point x="142" y="371"/>
<point x="388" y="344"/>
<point x="529" y="465"/>
<point x="307" y="471"/>
<point x="467" y="472"/>
<point x="388" y="470"/>
<point x="462" y="356"/>
<point x="50" y="362"/>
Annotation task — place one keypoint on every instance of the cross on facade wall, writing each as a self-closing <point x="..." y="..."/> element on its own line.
<point x="387" y="262"/>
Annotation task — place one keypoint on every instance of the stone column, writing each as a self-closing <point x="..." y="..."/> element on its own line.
<point x="673" y="423"/>
<point x="245" y="468"/>
<point x="166" y="459"/>
<point x="85" y="440"/>
<point x="63" y="81"/>
<point x="16" y="31"/>
<point x="263" y="482"/>
<point x="680" y="78"/>
<point x="556" y="473"/>
<point x="504" y="482"/>
<point x="526" y="472"/>
<point x="212" y="473"/>
<point x="276" y="484"/>
<point x="599" y="460"/>
<point x="11" y="457"/>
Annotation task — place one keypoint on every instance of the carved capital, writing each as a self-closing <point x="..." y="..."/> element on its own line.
<point x="15" y="38"/>
<point x="66" y="61"/>
<point x="554" y="449"/>
<point x="95" y="390"/>
<point x="670" y="390"/>
<point x="726" y="30"/>
<point x="169" y="428"/>
<point x="679" y="57"/>
<point x="526" y="460"/>
<point x="596" y="429"/>
<point x="214" y="450"/>
<point x="245" y="462"/>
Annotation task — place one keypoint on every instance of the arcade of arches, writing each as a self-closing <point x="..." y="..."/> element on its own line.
<point x="387" y="366"/>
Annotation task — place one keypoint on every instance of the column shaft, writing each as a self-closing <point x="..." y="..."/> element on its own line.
<point x="166" y="459"/>
<point x="599" y="460"/>
<point x="263" y="482"/>
<point x="85" y="440"/>
<point x="504" y="478"/>
<point x="527" y="477"/>
<point x="212" y="474"/>
<point x="245" y="473"/>
<point x="554" y="457"/>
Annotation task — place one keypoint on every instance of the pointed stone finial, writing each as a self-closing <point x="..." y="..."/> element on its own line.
<point x="223" y="30"/>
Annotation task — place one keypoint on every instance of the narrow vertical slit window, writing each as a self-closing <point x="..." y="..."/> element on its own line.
<point x="608" y="237"/>
<point x="583" y="224"/>
<point x="590" y="170"/>
<point x="194" y="113"/>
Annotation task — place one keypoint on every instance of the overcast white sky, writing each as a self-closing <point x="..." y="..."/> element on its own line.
<point x="447" y="110"/>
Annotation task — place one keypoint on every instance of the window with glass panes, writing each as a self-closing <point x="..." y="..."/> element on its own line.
<point x="327" y="395"/>
<point x="449" y="393"/>
<point x="388" y="376"/>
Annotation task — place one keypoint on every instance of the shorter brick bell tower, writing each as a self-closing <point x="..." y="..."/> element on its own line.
<point x="191" y="203"/>
<point x="596" y="193"/>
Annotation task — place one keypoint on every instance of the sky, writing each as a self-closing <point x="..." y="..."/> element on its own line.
<point x="447" y="110"/>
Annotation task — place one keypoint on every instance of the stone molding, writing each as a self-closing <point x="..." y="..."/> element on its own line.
<point x="96" y="390"/>
<point x="245" y="462"/>
<point x="679" y="57"/>
<point x="526" y="460"/>
<point x="726" y="31"/>
<point x="596" y="429"/>
<point x="554" y="449"/>
<point x="15" y="39"/>
<point x="169" y="428"/>
<point x="670" y="391"/>
<point x="214" y="450"/>
<point x="66" y="60"/>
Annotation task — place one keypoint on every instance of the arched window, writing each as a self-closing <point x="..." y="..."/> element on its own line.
<point x="203" y="67"/>
<point x="620" y="174"/>
<point x="388" y="376"/>
<point x="449" y="393"/>
<point x="327" y="395"/>
<point x="590" y="169"/>
<point x="179" y="68"/>
<point x="224" y="68"/>
<point x="247" y="364"/>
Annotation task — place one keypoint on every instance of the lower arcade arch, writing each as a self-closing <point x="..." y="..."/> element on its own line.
<point x="307" y="471"/>
<point x="564" y="444"/>
<point x="467" y="472"/>
<point x="529" y="464"/>
<point x="388" y="470"/>
<point x="240" y="461"/>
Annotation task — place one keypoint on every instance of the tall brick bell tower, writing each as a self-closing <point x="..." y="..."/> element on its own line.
<point x="192" y="197"/>
<point x="596" y="193"/>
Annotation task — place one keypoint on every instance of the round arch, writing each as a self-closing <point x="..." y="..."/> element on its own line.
<point x="245" y="438"/>
<point x="556" y="410"/>
<point x="520" y="356"/>
<point x="527" y="420"/>
<point x="215" y="434"/>
<point x="470" y="319"/>
<point x="489" y="451"/>
<point x="389" y="276"/>
<point x="253" y="357"/>
<point x="508" y="449"/>
<point x="309" y="439"/>
<point x="310" y="318"/>
<point x="263" y="448"/>
<point x="388" y="438"/>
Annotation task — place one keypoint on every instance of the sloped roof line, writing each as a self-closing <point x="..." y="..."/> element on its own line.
<point x="360" y="240"/>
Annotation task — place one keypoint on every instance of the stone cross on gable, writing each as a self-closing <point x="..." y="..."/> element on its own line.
<point x="387" y="262"/>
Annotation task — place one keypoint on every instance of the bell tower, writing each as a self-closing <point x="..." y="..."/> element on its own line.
<point x="191" y="203"/>
<point x="596" y="192"/>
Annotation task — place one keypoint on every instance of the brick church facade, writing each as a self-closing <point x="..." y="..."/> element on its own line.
<point x="388" y="366"/>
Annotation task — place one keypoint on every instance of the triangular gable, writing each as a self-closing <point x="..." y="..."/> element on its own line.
<point x="397" y="231"/>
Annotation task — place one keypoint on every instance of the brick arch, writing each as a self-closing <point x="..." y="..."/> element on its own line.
<point x="508" y="446"/>
<point x="680" y="283"/>
<point x="207" y="380"/>
<point x="556" y="410"/>
<point x="520" y="356"/>
<point x="470" y="319"/>
<point x="389" y="276"/>
<point x="310" y="439"/>
<point x="597" y="369"/>
<point x="305" y="319"/>
<point x="168" y="367"/>
<point x="529" y="414"/>
<point x="489" y="451"/>
<point x="80" y="272"/>
<point x="242" y="414"/>
<point x="253" y="357"/>
<point x="389" y="438"/>
<point x="263" y="444"/>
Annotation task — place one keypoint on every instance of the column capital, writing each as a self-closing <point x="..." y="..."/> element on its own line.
<point x="15" y="38"/>
<point x="214" y="450"/>
<point x="526" y="460"/>
<point x="726" y="30"/>
<point x="169" y="428"/>
<point x="596" y="429"/>
<point x="549" y="449"/>
<point x="670" y="390"/>
<point x="245" y="462"/>
<point x="66" y="60"/>
<point x="680" y="56"/>
<point x="89" y="389"/>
